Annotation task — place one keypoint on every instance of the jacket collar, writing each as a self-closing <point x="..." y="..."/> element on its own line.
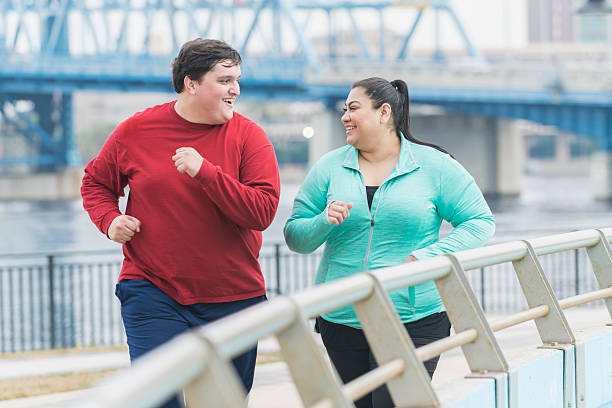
<point x="405" y="164"/>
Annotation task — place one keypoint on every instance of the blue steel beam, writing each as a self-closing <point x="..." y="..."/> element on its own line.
<point x="45" y="149"/>
<point x="362" y="43"/>
<point x="57" y="40"/>
<point x="283" y="14"/>
<point x="28" y="126"/>
<point x="438" y="55"/>
<point x="472" y="51"/>
<point x="402" y="54"/>
<point x="253" y="25"/>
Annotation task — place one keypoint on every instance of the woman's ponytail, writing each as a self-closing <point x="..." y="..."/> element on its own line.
<point x="401" y="115"/>
<point x="395" y="93"/>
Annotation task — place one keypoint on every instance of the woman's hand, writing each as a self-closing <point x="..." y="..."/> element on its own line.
<point x="411" y="258"/>
<point x="338" y="211"/>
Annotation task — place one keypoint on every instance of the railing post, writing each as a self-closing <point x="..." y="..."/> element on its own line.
<point x="600" y="256"/>
<point x="314" y="378"/>
<point x="218" y="386"/>
<point x="483" y="355"/>
<point x="553" y="328"/>
<point x="278" y="268"/>
<point x="51" y="267"/>
<point x="389" y="340"/>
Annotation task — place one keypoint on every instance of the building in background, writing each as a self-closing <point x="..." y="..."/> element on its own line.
<point x="593" y="28"/>
<point x="556" y="21"/>
<point x="550" y="20"/>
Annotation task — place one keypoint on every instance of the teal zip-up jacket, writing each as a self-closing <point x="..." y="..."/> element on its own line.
<point x="425" y="187"/>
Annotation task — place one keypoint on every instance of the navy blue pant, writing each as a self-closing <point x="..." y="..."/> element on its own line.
<point x="151" y="318"/>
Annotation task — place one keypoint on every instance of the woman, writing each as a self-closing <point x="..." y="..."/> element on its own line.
<point x="378" y="202"/>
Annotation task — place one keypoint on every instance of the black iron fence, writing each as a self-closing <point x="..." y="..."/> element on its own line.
<point x="67" y="299"/>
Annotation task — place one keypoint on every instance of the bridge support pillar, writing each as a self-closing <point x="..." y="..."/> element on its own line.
<point x="490" y="149"/>
<point x="329" y="132"/>
<point x="510" y="157"/>
<point x="601" y="175"/>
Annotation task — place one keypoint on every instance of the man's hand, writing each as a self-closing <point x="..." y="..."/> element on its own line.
<point x="411" y="258"/>
<point x="338" y="211"/>
<point x="123" y="228"/>
<point x="187" y="160"/>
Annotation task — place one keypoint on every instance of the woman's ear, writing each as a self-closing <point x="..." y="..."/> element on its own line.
<point x="385" y="113"/>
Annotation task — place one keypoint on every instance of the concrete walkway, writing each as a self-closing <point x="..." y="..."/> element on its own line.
<point x="273" y="386"/>
<point x="61" y="364"/>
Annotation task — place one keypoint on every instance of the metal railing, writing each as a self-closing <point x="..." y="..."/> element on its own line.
<point x="65" y="299"/>
<point x="59" y="300"/>
<point x="198" y="362"/>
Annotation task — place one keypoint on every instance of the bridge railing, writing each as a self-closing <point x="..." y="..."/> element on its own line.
<point x="198" y="362"/>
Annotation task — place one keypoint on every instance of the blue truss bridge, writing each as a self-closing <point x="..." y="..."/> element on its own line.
<point x="303" y="50"/>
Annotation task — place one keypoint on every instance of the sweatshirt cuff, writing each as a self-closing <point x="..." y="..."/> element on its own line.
<point x="107" y="220"/>
<point x="324" y="214"/>
<point x="207" y="173"/>
<point x="322" y="221"/>
<point x="424" y="253"/>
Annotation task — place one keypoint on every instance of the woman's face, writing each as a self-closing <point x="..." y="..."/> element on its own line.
<point x="361" y="120"/>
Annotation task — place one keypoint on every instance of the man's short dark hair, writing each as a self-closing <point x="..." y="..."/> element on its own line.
<point x="199" y="56"/>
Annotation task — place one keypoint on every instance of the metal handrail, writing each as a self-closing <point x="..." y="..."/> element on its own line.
<point x="207" y="373"/>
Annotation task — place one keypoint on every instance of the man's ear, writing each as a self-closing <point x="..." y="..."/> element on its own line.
<point x="189" y="85"/>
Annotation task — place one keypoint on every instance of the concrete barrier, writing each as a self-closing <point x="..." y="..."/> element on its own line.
<point x="594" y="367"/>
<point x="43" y="186"/>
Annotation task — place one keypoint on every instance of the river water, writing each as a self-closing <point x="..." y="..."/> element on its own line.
<point x="547" y="205"/>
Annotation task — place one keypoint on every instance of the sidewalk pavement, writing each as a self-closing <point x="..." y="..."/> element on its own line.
<point x="273" y="386"/>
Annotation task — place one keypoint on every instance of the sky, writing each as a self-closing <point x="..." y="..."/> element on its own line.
<point x="493" y="23"/>
<point x="488" y="23"/>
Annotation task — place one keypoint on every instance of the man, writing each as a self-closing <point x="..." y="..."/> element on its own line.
<point x="203" y="185"/>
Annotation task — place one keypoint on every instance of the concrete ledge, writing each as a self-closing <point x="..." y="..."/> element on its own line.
<point x="467" y="393"/>
<point x="594" y="367"/>
<point x="44" y="186"/>
<point x="536" y="379"/>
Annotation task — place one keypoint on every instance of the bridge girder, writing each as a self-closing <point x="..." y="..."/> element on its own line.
<point x="50" y="47"/>
<point x="283" y="27"/>
<point x="39" y="56"/>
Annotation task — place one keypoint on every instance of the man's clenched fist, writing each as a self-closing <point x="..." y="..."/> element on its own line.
<point x="123" y="228"/>
<point x="188" y="160"/>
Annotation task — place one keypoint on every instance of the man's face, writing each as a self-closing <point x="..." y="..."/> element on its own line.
<point x="216" y="93"/>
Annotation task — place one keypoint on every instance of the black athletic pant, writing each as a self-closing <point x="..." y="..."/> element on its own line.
<point x="351" y="355"/>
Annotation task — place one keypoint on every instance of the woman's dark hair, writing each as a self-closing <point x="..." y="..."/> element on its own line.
<point x="199" y="56"/>
<point x="395" y="93"/>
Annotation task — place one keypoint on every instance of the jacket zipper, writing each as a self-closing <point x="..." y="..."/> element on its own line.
<point x="365" y="267"/>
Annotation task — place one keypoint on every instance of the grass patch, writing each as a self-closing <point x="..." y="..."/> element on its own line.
<point x="48" y="384"/>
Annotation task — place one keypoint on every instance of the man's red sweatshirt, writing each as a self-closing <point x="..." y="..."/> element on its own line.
<point x="200" y="237"/>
